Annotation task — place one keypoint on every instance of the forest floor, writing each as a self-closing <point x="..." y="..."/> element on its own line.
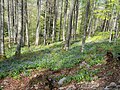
<point x="52" y="68"/>
<point x="38" y="79"/>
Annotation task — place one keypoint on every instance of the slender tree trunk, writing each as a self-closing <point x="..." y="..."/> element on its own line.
<point x="45" y="21"/>
<point x="65" y="18"/>
<point x="116" y="28"/>
<point x="95" y="25"/>
<point x="111" y="29"/>
<point x="8" y="22"/>
<point x="50" y="21"/>
<point x="54" y="21"/>
<point x="26" y="25"/>
<point x="13" y="19"/>
<point x="16" y="21"/>
<point x="60" y="28"/>
<point x="38" y="23"/>
<point x="103" y="25"/>
<point x="85" y="25"/>
<point x="2" y="47"/>
<point x="67" y="44"/>
<point x="19" y="44"/>
<point x="90" y="25"/>
<point x="76" y="18"/>
<point x="73" y="21"/>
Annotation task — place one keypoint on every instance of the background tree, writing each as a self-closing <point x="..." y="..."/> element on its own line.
<point x="20" y="34"/>
<point x="54" y="21"/>
<point x="2" y="46"/>
<point x="38" y="22"/>
<point x="45" y="22"/>
<point x="85" y="25"/>
<point x="65" y="18"/>
<point x="70" y="17"/>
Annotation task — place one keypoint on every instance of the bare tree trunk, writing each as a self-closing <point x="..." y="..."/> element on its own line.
<point x="90" y="25"/>
<point x="50" y="21"/>
<point x="8" y="23"/>
<point x="116" y="28"/>
<point x="13" y="19"/>
<point x="26" y="25"/>
<point x="60" y="28"/>
<point x="65" y="18"/>
<point x="76" y="18"/>
<point x="85" y="25"/>
<point x="54" y="21"/>
<point x="16" y="21"/>
<point x="67" y="43"/>
<point x="73" y="24"/>
<point x="2" y="47"/>
<point x="45" y="21"/>
<point x="111" y="29"/>
<point x="95" y="25"/>
<point x="38" y="23"/>
<point x="19" y="44"/>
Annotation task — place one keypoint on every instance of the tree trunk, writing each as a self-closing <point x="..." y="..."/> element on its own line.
<point x="38" y="23"/>
<point x="50" y="22"/>
<point x="45" y="25"/>
<point x="73" y="24"/>
<point x="60" y="28"/>
<point x="8" y="22"/>
<point x="65" y="18"/>
<point x="54" y="21"/>
<point x="76" y="17"/>
<point x="67" y="44"/>
<point x="2" y="47"/>
<point x="116" y="28"/>
<point x="111" y="29"/>
<point x="13" y="19"/>
<point x="16" y="21"/>
<point x="90" y="25"/>
<point x="26" y="25"/>
<point x="85" y="25"/>
<point x="20" y="37"/>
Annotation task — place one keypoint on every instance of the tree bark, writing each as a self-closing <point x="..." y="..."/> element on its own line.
<point x="65" y="18"/>
<point x="20" y="37"/>
<point x="26" y="25"/>
<point x="16" y="21"/>
<point x="67" y="44"/>
<point x="60" y="28"/>
<point x="76" y="17"/>
<point x="38" y="23"/>
<point x="45" y="25"/>
<point x="85" y="25"/>
<point x="8" y="22"/>
<point x="2" y="47"/>
<point x="54" y="21"/>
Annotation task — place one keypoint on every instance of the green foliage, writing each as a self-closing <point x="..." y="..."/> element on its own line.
<point x="54" y="57"/>
<point x="83" y="75"/>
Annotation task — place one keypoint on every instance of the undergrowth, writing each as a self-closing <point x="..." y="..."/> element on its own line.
<point x="54" y="57"/>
